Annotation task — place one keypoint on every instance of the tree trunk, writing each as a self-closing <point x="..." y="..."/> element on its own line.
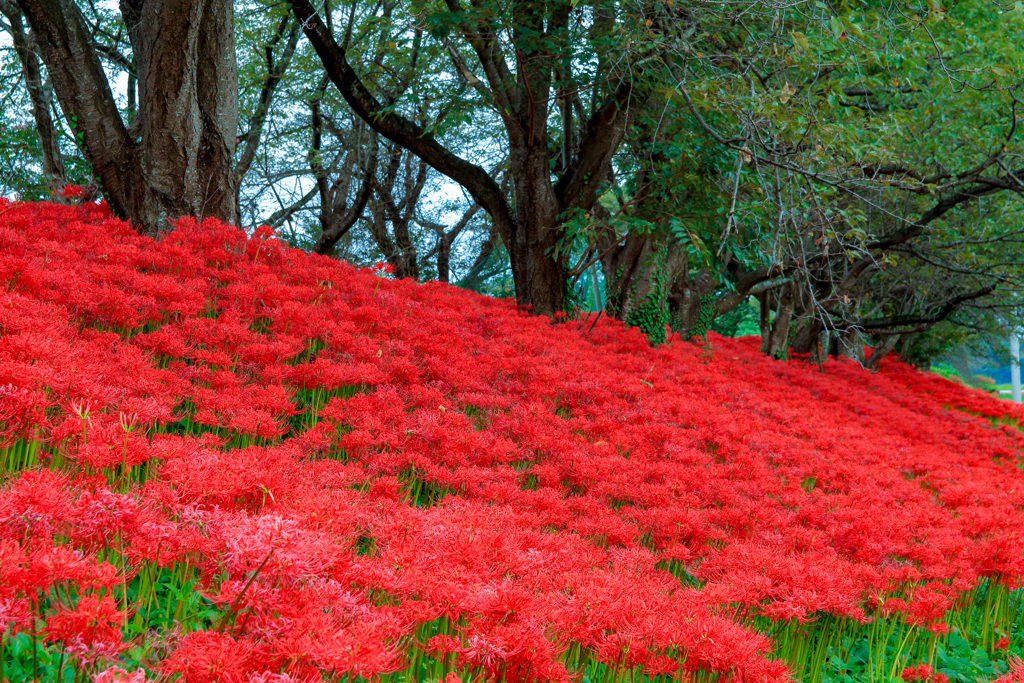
<point x="774" y="344"/>
<point x="336" y="215"/>
<point x="850" y="344"/>
<point x="690" y="309"/>
<point x="445" y="240"/>
<point x="531" y="231"/>
<point x="386" y="209"/>
<point x="53" y="162"/>
<point x="188" y="99"/>
<point x="621" y="266"/>
<point x="188" y="106"/>
<point x="764" y="319"/>
<point x="539" y="273"/>
<point x="880" y="351"/>
<point x="806" y="338"/>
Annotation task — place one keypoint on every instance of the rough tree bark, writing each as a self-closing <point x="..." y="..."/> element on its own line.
<point x="176" y="159"/>
<point x="774" y="342"/>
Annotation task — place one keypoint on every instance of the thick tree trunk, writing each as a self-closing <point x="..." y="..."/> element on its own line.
<point x="690" y="309"/>
<point x="188" y="106"/>
<point x="539" y="274"/>
<point x="806" y="338"/>
<point x="188" y="99"/>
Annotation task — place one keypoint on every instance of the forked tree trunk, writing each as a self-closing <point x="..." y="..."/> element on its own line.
<point x="178" y="161"/>
<point x="531" y="230"/>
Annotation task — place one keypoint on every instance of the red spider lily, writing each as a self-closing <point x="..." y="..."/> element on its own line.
<point x="1015" y="674"/>
<point x="922" y="673"/>
<point x="369" y="477"/>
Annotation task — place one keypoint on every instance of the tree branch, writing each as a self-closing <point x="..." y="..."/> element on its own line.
<point x="399" y="129"/>
<point x="66" y="45"/>
<point x="251" y="137"/>
<point x="928" y="320"/>
<point x="590" y="165"/>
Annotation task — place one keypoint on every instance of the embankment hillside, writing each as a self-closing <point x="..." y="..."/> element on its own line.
<point x="225" y="459"/>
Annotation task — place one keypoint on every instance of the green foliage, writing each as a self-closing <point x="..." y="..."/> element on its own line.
<point x="169" y="599"/>
<point x="651" y="315"/>
<point x="835" y="649"/>
<point x="933" y="342"/>
<point x="21" y="161"/>
<point x="739" y="322"/>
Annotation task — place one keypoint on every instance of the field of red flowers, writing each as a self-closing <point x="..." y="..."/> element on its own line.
<point x="222" y="459"/>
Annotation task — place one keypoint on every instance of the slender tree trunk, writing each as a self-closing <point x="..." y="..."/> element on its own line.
<point x="53" y="162"/>
<point x="880" y="351"/>
<point x="774" y="344"/>
<point x="336" y="215"/>
<point x="287" y="31"/>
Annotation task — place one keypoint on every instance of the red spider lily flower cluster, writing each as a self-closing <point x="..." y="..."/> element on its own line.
<point x="73" y="192"/>
<point x="356" y="476"/>
<point x="1015" y="674"/>
<point x="922" y="673"/>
